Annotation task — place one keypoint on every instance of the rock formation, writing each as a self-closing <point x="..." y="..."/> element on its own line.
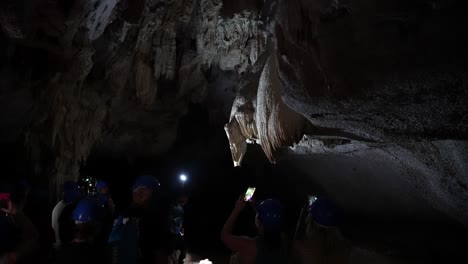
<point x="341" y="77"/>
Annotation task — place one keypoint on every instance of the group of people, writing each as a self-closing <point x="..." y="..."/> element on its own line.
<point x="81" y="224"/>
<point x="321" y="242"/>
<point x="18" y="235"/>
<point x="150" y="228"/>
<point x="89" y="229"/>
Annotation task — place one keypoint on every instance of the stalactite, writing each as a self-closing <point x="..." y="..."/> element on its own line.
<point x="206" y="24"/>
<point x="231" y="43"/>
<point x="176" y="18"/>
<point x="165" y="51"/>
<point x="145" y="83"/>
<point x="263" y="117"/>
<point x="192" y="81"/>
<point x="277" y="124"/>
<point x="237" y="141"/>
<point x="115" y="53"/>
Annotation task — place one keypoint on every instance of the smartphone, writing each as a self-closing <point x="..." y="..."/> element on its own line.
<point x="249" y="193"/>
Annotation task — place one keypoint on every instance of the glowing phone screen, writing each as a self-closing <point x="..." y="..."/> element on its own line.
<point x="249" y="193"/>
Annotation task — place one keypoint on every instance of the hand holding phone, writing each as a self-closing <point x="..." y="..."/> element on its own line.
<point x="249" y="194"/>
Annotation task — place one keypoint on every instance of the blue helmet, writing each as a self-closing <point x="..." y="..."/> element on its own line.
<point x="71" y="191"/>
<point x="324" y="212"/>
<point x="147" y="181"/>
<point x="86" y="211"/>
<point x="100" y="184"/>
<point x="269" y="214"/>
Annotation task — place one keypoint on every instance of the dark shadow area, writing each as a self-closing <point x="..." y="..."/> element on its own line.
<point x="202" y="153"/>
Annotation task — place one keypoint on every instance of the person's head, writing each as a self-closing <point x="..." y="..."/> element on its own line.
<point x="12" y="197"/>
<point x="324" y="213"/>
<point x="322" y="224"/>
<point x="17" y="195"/>
<point x="143" y="189"/>
<point x="102" y="188"/>
<point x="85" y="216"/>
<point x="322" y="217"/>
<point x="71" y="192"/>
<point x="7" y="199"/>
<point x="181" y="198"/>
<point x="268" y="221"/>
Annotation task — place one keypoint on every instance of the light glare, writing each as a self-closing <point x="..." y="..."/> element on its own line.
<point x="183" y="177"/>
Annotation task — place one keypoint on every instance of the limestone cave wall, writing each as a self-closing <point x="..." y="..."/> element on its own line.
<point x="381" y="80"/>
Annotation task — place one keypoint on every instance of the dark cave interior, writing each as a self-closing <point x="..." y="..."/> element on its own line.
<point x="363" y="102"/>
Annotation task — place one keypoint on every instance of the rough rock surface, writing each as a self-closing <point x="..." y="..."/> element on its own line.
<point x="385" y="98"/>
<point x="375" y="80"/>
<point x="264" y="119"/>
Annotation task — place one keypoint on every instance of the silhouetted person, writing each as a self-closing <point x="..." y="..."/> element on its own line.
<point x="154" y="226"/>
<point x="126" y="232"/>
<point x="62" y="221"/>
<point x="267" y="248"/>
<point x="106" y="211"/>
<point x="83" y="249"/>
<point x="176" y="225"/>
<point x="9" y="232"/>
<point x="323" y="242"/>
<point x="103" y="195"/>
<point x="26" y="234"/>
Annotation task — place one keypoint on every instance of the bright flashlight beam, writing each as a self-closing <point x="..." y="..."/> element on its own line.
<point x="183" y="178"/>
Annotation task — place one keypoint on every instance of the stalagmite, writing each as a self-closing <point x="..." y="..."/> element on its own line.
<point x="145" y="83"/>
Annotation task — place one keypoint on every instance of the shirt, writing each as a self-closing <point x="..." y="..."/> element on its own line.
<point x="58" y="209"/>
<point x="124" y="240"/>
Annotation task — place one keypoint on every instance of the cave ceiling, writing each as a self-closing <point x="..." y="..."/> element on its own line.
<point x="340" y="77"/>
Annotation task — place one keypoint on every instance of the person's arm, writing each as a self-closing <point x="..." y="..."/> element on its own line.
<point x="233" y="242"/>
<point x="55" y="222"/>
